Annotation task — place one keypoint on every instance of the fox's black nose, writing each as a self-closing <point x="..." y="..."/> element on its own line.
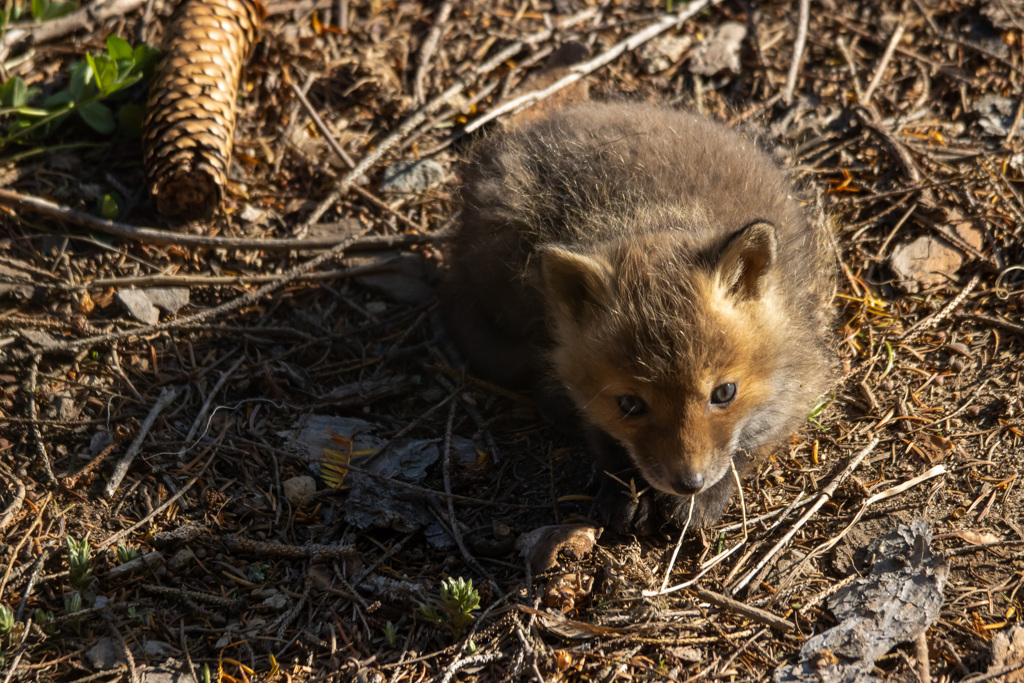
<point x="688" y="483"/>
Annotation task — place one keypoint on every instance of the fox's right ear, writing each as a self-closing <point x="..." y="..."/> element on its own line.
<point x="747" y="259"/>
<point x="575" y="284"/>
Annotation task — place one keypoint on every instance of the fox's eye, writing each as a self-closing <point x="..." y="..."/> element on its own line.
<point x="723" y="394"/>
<point x="632" y="406"/>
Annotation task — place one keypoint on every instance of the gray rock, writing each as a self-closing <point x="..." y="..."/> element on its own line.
<point x="401" y="277"/>
<point x="995" y="114"/>
<point x="168" y="299"/>
<point x="158" y="649"/>
<point x="181" y="560"/>
<point x="299" y="490"/>
<point x="99" y="441"/>
<point x="412" y="176"/>
<point x="277" y="601"/>
<point x="661" y="53"/>
<point x="925" y="262"/>
<point x="103" y="655"/>
<point x="720" y="51"/>
<point x="139" y="306"/>
<point x="171" y="671"/>
<point x="36" y="337"/>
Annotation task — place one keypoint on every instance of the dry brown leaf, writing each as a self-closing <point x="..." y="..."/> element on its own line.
<point x="541" y="546"/>
<point x="935" y="448"/>
<point x="976" y="537"/>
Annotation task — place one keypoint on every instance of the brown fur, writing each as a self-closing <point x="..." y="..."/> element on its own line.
<point x="614" y="249"/>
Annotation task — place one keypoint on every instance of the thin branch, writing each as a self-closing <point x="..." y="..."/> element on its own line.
<point x="580" y="70"/>
<point x="880" y="71"/>
<point x="155" y="236"/>
<point x="759" y="615"/>
<point x="208" y="314"/>
<point x="411" y="123"/>
<point x="164" y="400"/>
<point x="429" y="45"/>
<point x="84" y="18"/>
<point x="798" y="50"/>
<point x="823" y="497"/>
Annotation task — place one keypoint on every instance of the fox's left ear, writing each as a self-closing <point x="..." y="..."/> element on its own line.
<point x="747" y="259"/>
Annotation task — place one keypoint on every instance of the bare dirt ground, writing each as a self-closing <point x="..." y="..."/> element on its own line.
<point x="904" y="118"/>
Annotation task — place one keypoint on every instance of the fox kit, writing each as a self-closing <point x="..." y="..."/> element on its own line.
<point x="650" y="271"/>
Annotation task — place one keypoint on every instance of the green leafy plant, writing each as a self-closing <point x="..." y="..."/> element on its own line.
<point x="72" y="606"/>
<point x="126" y="553"/>
<point x="817" y="410"/>
<point x="44" y="10"/>
<point x="391" y="633"/>
<point x="39" y="10"/>
<point x="93" y="85"/>
<point x="257" y="573"/>
<point x="44" y="619"/>
<point x="79" y="562"/>
<point x="454" y="609"/>
<point x="7" y="620"/>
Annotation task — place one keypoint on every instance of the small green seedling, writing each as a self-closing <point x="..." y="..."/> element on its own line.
<point x="391" y="633"/>
<point x="817" y="410"/>
<point x="454" y="610"/>
<point x="72" y="606"/>
<point x="257" y="573"/>
<point x="44" y="620"/>
<point x="73" y="602"/>
<point x="7" y="620"/>
<point x="126" y="553"/>
<point x="79" y="562"/>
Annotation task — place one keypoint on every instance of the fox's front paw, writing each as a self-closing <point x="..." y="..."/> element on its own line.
<point x="632" y="507"/>
<point x="708" y="505"/>
<point x="626" y="509"/>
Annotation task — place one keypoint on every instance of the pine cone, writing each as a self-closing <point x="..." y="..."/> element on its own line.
<point x="190" y="115"/>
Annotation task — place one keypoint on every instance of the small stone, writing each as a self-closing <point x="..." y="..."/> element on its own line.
<point x="103" y="655"/>
<point x="925" y="262"/>
<point x="168" y="299"/>
<point x="412" y="176"/>
<point x="165" y="675"/>
<point x="181" y="559"/>
<point x="139" y="306"/>
<point x="661" y="53"/>
<point x="36" y="337"/>
<point x="99" y="441"/>
<point x="277" y="601"/>
<point x="66" y="408"/>
<point x="720" y="51"/>
<point x="299" y="490"/>
<point x="376" y="307"/>
<point x="158" y="649"/>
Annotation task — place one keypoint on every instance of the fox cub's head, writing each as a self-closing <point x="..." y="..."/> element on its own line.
<point x="686" y="359"/>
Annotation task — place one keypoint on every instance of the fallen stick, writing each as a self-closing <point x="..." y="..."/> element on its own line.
<point x="823" y="497"/>
<point x="756" y="614"/>
<point x="165" y="398"/>
<point x="888" y="493"/>
<point x="84" y="18"/>
<point x="798" y="50"/>
<point x="156" y="236"/>
<point x="580" y="70"/>
<point x="880" y="71"/>
<point x="435" y="104"/>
